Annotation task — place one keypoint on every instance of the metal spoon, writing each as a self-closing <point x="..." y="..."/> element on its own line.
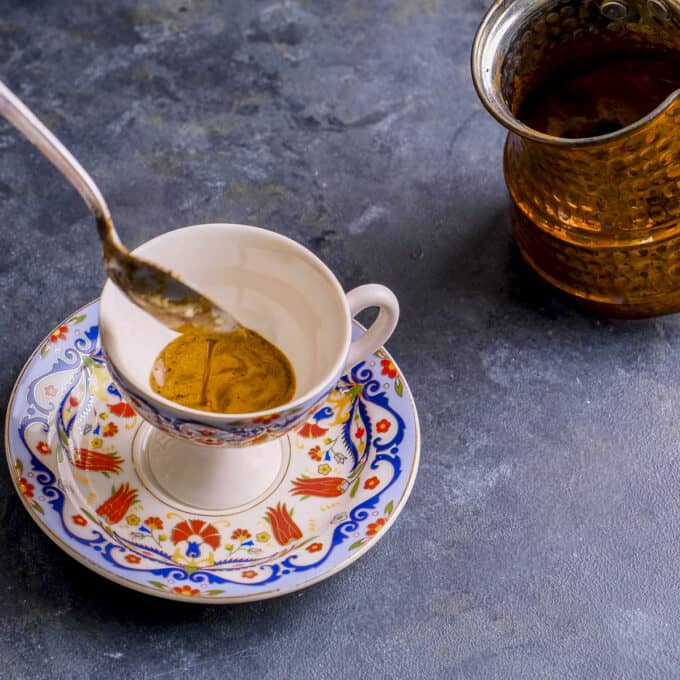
<point x="157" y="291"/>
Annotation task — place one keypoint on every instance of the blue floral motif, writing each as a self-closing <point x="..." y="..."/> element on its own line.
<point x="368" y="391"/>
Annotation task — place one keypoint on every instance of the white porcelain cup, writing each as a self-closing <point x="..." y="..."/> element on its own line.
<point x="271" y="284"/>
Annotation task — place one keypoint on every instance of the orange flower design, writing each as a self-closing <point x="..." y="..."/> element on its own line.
<point x="382" y="425"/>
<point x="26" y="488"/>
<point x="314" y="547"/>
<point x="240" y="535"/>
<point x="371" y="483"/>
<point x="377" y="526"/>
<point x="133" y="559"/>
<point x="315" y="453"/>
<point x="249" y="573"/>
<point x="283" y="527"/>
<point x="44" y="448"/>
<point x="187" y="591"/>
<point x="265" y="420"/>
<point x="110" y="430"/>
<point x="388" y="368"/>
<point x="209" y="441"/>
<point x="154" y="523"/>
<point x="79" y="520"/>
<point x="59" y="334"/>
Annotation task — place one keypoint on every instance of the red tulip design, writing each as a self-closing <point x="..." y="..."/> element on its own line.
<point x="324" y="487"/>
<point x="95" y="461"/>
<point x="283" y="527"/>
<point x="122" y="409"/>
<point x="116" y="507"/>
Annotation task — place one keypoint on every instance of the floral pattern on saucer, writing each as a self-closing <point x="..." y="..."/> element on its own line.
<point x="69" y="444"/>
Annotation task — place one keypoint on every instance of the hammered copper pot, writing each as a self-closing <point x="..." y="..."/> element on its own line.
<point x="598" y="217"/>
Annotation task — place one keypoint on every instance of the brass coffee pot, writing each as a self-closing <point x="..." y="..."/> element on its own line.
<point x="597" y="216"/>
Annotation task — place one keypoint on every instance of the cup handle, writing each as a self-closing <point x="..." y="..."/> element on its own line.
<point x="372" y="295"/>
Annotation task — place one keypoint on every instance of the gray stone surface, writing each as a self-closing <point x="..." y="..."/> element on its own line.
<point x="541" y="539"/>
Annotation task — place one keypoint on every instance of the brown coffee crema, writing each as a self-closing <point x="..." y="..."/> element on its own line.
<point x="236" y="372"/>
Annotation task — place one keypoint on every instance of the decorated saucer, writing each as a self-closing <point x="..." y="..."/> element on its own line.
<point x="71" y="441"/>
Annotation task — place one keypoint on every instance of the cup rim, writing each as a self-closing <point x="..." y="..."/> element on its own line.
<point x="319" y="387"/>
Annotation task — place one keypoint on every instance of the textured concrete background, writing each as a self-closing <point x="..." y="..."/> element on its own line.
<point x="541" y="539"/>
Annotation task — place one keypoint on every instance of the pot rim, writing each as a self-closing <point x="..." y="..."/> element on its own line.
<point x="504" y="14"/>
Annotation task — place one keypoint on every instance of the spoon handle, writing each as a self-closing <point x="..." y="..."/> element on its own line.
<point x="19" y="115"/>
<point x="159" y="292"/>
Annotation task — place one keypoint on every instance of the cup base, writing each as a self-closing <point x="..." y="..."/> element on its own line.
<point x="208" y="480"/>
